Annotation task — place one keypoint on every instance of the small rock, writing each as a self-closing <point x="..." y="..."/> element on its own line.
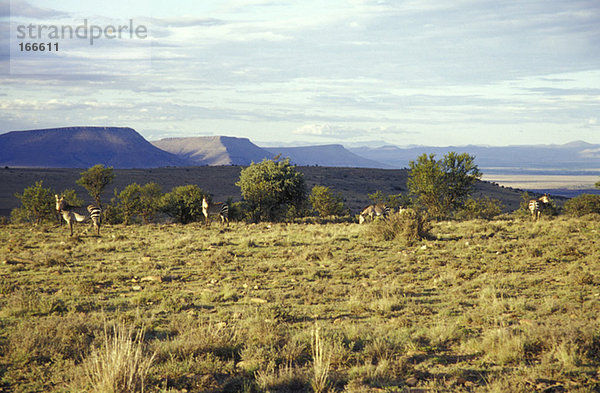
<point x="412" y="381"/>
<point x="136" y="288"/>
<point x="152" y="278"/>
<point x="258" y="300"/>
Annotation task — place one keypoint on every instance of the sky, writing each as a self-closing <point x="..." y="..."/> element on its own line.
<point x="355" y="72"/>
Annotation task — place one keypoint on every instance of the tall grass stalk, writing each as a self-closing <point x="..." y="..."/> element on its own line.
<point x="120" y="365"/>
<point x="321" y="363"/>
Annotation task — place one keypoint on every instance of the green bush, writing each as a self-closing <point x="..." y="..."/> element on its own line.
<point x="582" y="205"/>
<point x="409" y="225"/>
<point x="130" y="202"/>
<point x="442" y="186"/>
<point x="484" y="208"/>
<point x="273" y="190"/>
<point x="326" y="203"/>
<point x="95" y="180"/>
<point x="38" y="203"/>
<point x="183" y="203"/>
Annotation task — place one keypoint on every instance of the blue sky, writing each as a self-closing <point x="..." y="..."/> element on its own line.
<point x="286" y="72"/>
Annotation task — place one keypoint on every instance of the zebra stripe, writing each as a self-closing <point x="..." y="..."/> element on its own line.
<point x="215" y="209"/>
<point x="536" y="206"/>
<point x="373" y="211"/>
<point x="69" y="214"/>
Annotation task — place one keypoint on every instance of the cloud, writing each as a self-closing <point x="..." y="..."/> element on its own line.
<point x="21" y="8"/>
<point x="323" y="130"/>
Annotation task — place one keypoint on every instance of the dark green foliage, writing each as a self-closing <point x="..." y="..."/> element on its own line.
<point x="183" y="203"/>
<point x="95" y="180"/>
<point x="150" y="197"/>
<point x="272" y="190"/>
<point x="484" y="208"/>
<point x="326" y="203"/>
<point x="582" y="205"/>
<point x="130" y="202"/>
<point x="37" y="203"/>
<point x="442" y="186"/>
<point x="71" y="197"/>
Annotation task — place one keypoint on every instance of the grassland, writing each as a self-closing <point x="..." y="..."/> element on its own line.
<point x="480" y="306"/>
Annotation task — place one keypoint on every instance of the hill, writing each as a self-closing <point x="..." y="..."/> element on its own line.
<point x="214" y="150"/>
<point x="326" y="155"/>
<point x="574" y="156"/>
<point x="355" y="184"/>
<point x="82" y="147"/>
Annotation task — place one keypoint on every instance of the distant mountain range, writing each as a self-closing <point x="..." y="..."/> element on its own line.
<point x="214" y="150"/>
<point x="571" y="156"/>
<point x="82" y="147"/>
<point x="326" y="155"/>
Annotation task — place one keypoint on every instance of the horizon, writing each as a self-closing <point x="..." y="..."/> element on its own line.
<point x="272" y="144"/>
<point x="407" y="73"/>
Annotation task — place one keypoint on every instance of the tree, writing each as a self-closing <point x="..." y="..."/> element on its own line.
<point x="325" y="202"/>
<point x="37" y="203"/>
<point x="150" y="196"/>
<point x="130" y="202"/>
<point x="184" y="203"/>
<point x="95" y="180"/>
<point x="272" y="189"/>
<point x="442" y="186"/>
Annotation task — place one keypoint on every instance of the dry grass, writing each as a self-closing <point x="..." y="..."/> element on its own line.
<point x="478" y="306"/>
<point x="120" y="365"/>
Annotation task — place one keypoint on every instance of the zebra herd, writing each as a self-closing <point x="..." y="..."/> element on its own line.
<point x="221" y="209"/>
<point x="73" y="214"/>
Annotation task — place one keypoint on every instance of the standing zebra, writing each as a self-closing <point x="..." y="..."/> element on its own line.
<point x="218" y="208"/>
<point x="373" y="211"/>
<point x="536" y="206"/>
<point x="71" y="216"/>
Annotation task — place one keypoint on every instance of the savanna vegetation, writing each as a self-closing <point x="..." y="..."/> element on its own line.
<point x="474" y="301"/>
<point x="478" y="306"/>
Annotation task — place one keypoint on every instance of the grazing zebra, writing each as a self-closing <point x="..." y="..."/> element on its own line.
<point x="71" y="216"/>
<point x="218" y="208"/>
<point x="373" y="211"/>
<point x="536" y="206"/>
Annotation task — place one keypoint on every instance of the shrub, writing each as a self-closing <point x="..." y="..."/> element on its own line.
<point x="272" y="190"/>
<point x="95" y="180"/>
<point x="410" y="225"/>
<point x="130" y="202"/>
<point x="442" y="186"/>
<point x="150" y="197"/>
<point x="184" y="203"/>
<point x="582" y="205"/>
<point x="485" y="208"/>
<point x="37" y="203"/>
<point x="326" y="203"/>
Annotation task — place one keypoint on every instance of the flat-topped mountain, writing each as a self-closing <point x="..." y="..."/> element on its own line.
<point x="214" y="150"/>
<point x="326" y="155"/>
<point x="82" y="147"/>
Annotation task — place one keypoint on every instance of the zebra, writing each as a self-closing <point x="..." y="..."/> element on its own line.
<point x="536" y="206"/>
<point x="373" y="211"/>
<point x="218" y="208"/>
<point x="71" y="216"/>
